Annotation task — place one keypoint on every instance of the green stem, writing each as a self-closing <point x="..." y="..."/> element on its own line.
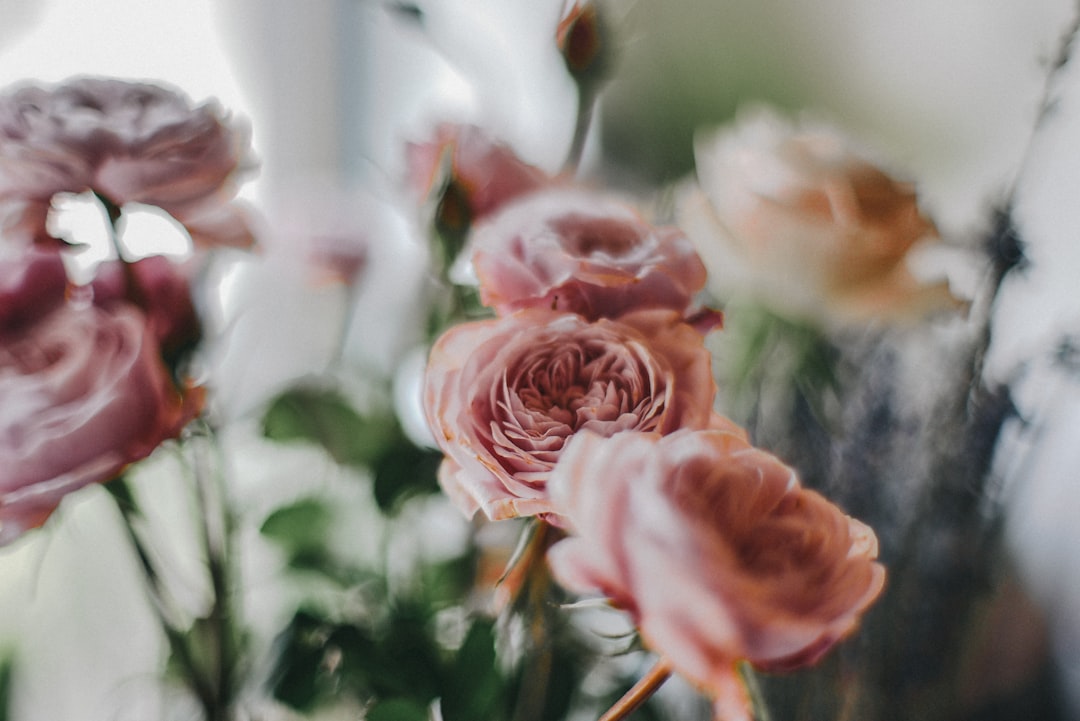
<point x="164" y="607"/>
<point x="754" y="691"/>
<point x="586" y="104"/>
<point x="210" y="500"/>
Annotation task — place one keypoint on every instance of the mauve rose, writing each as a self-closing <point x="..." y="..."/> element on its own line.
<point x="503" y="396"/>
<point x="160" y="288"/>
<point x="579" y="251"/>
<point x="31" y="284"/>
<point x="83" y="393"/>
<point x="487" y="174"/>
<point x="131" y="143"/>
<point x="798" y="218"/>
<point x="714" y="549"/>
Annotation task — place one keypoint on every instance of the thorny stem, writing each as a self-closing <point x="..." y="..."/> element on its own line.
<point x="640" y="692"/>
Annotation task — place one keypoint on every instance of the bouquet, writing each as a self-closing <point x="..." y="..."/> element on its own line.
<point x="717" y="448"/>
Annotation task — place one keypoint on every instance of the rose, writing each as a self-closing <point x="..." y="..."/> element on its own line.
<point x="130" y="143"/>
<point x="161" y="290"/>
<point x="578" y="251"/>
<point x="483" y="173"/>
<point x="764" y="570"/>
<point x="503" y="396"/>
<point x="798" y="218"/>
<point x="31" y="285"/>
<point x="83" y="393"/>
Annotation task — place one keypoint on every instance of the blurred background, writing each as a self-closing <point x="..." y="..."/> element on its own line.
<point x="948" y="92"/>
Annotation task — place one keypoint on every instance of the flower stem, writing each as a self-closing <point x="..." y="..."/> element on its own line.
<point x="640" y="692"/>
<point x="586" y="103"/>
<point x="163" y="606"/>
<point x="215" y="527"/>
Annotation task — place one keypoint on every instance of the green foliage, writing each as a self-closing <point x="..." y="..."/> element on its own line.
<point x="324" y="417"/>
<point x="404" y="470"/>
<point x="775" y="356"/>
<point x="7" y="665"/>
<point x="397" y="709"/>
<point x="376" y="443"/>
<point x="396" y="665"/>
<point x="299" y="527"/>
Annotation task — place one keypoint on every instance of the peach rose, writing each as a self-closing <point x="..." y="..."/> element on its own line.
<point x="714" y="549"/>
<point x="504" y="396"/>
<point x="484" y="172"/>
<point x="83" y="393"/>
<point x="129" y="142"/>
<point x="795" y="216"/>
<point x="578" y="251"/>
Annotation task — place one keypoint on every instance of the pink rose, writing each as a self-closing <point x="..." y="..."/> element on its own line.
<point x="161" y="289"/>
<point x="487" y="174"/>
<point x="714" y="549"/>
<point x="504" y="396"/>
<point x="83" y="393"/>
<point x="573" y="250"/>
<point x="798" y="218"/>
<point x="129" y="142"/>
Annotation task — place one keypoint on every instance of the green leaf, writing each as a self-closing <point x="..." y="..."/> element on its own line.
<point x="318" y="661"/>
<point x="322" y="416"/>
<point x="474" y="687"/>
<point x="397" y="709"/>
<point x="408" y="658"/>
<point x="298" y="673"/>
<point x="402" y="471"/>
<point x="300" y="527"/>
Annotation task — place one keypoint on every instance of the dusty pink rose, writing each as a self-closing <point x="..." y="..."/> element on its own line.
<point x="161" y="289"/>
<point x="714" y="549"/>
<point x="129" y="142"/>
<point x="83" y="393"/>
<point x="504" y="396"/>
<point x="798" y="218"/>
<point x="579" y="251"/>
<point x="486" y="174"/>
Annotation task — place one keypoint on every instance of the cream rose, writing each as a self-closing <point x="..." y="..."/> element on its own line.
<point x="504" y="396"/>
<point x="795" y="217"/>
<point x="83" y="393"/>
<point x="714" y="549"/>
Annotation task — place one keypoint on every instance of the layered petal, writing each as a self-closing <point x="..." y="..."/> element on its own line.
<point x="504" y="396"/>
<point x="766" y="570"/>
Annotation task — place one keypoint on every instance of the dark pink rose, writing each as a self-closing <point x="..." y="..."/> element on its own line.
<point x="31" y="285"/>
<point x="129" y="142"/>
<point x="504" y="396"/>
<point x="485" y="173"/>
<point x="578" y="251"/>
<point x="715" y="550"/>
<point x="161" y="289"/>
<point x="83" y="393"/>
